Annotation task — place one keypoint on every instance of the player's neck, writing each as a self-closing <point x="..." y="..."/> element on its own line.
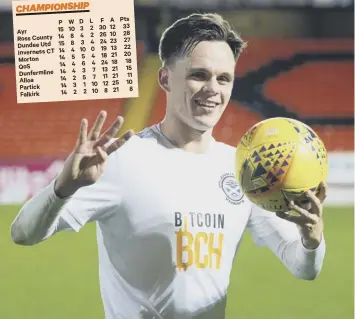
<point x="185" y="137"/>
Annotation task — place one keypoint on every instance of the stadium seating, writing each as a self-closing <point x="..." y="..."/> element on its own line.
<point x="319" y="91"/>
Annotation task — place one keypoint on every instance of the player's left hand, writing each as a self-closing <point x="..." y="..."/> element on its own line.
<point x="310" y="217"/>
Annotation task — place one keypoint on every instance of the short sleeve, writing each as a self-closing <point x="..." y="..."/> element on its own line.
<point x="95" y="202"/>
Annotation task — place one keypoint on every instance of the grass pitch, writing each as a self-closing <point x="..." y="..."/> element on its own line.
<point x="59" y="278"/>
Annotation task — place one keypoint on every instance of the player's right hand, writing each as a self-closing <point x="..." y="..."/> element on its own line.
<point x="85" y="164"/>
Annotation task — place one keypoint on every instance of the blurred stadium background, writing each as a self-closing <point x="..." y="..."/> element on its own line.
<point x="299" y="64"/>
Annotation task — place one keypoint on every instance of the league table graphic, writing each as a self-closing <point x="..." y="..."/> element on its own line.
<point x="74" y="50"/>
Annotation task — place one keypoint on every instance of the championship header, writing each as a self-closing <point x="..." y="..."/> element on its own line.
<point x="28" y="8"/>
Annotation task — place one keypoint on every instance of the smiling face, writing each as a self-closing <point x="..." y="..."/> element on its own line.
<point x="199" y="85"/>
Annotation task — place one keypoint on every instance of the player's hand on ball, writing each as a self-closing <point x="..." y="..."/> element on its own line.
<point x="310" y="217"/>
<point x="85" y="164"/>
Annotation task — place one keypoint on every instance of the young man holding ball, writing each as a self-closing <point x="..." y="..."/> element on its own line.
<point x="169" y="213"/>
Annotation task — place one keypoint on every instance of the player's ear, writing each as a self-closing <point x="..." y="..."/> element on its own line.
<point x="163" y="78"/>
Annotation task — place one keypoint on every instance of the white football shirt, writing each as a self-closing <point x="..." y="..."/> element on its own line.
<point x="169" y="223"/>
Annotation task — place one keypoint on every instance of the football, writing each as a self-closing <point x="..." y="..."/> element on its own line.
<point x="278" y="160"/>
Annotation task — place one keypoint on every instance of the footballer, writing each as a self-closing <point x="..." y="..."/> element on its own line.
<point x="169" y="213"/>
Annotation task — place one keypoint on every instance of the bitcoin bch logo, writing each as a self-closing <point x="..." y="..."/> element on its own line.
<point x="196" y="246"/>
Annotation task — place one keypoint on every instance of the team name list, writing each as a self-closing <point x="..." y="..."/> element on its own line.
<point x="31" y="48"/>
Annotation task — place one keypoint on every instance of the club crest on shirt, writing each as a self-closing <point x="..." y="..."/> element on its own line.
<point x="231" y="189"/>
